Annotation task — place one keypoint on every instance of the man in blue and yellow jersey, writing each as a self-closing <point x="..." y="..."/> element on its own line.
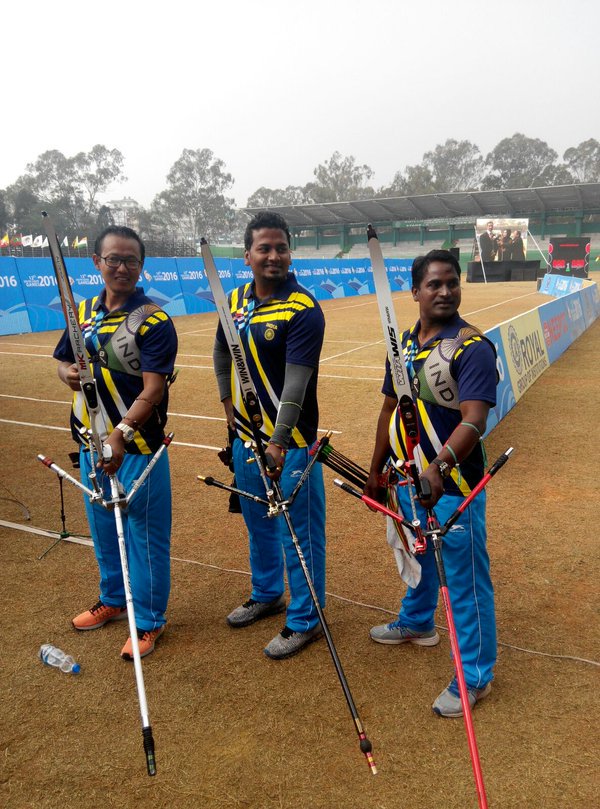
<point x="281" y="327"/>
<point x="452" y="368"/>
<point x="131" y="344"/>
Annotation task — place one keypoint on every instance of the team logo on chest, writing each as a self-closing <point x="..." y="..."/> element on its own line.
<point x="270" y="331"/>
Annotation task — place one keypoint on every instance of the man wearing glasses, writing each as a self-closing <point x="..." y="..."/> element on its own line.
<point x="131" y="345"/>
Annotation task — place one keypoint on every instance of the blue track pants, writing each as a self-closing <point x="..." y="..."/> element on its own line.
<point x="147" y="528"/>
<point x="467" y="567"/>
<point x="270" y="540"/>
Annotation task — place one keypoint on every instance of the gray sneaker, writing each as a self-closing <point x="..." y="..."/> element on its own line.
<point x="289" y="643"/>
<point x="252" y="611"/>
<point x="448" y="703"/>
<point x="395" y="633"/>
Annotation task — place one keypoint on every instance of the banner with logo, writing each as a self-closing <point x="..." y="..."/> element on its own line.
<point x="590" y="299"/>
<point x="558" y="285"/>
<point x="556" y="327"/>
<point x="197" y="296"/>
<point x="41" y="294"/>
<point x="14" y="318"/>
<point x="505" y="398"/>
<point x="526" y="353"/>
<point x="160" y="280"/>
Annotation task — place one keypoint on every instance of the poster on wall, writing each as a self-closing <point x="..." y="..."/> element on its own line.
<point x="570" y="256"/>
<point x="501" y="239"/>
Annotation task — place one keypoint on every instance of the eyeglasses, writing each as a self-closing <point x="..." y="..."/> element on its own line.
<point x="114" y="262"/>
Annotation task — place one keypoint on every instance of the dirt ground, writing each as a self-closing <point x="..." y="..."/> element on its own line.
<point x="235" y="730"/>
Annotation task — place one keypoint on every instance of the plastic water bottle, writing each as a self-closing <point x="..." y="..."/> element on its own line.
<point x="52" y="656"/>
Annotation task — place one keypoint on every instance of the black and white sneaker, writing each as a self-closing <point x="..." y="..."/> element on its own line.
<point x="289" y="643"/>
<point x="251" y="611"/>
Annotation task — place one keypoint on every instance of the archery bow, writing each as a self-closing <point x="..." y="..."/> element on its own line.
<point x="88" y="383"/>
<point x="88" y="387"/>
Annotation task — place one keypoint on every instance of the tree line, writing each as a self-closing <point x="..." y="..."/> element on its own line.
<point x="195" y="199"/>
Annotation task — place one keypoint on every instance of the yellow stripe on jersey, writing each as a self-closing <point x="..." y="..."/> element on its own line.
<point x="474" y="339"/>
<point x="428" y="426"/>
<point x="114" y="393"/>
<point x="109" y="328"/>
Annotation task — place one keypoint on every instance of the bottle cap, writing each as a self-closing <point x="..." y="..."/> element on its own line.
<point x="76" y="668"/>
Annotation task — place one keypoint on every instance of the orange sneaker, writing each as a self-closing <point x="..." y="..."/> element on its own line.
<point x="98" y="615"/>
<point x="146" y="641"/>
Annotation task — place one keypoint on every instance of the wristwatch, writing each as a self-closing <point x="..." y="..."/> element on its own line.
<point x="445" y="469"/>
<point x="128" y="432"/>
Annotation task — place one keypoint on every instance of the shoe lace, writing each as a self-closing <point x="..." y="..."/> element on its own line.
<point x="97" y="607"/>
<point x="286" y="632"/>
<point x="397" y="624"/>
<point x="250" y="603"/>
<point x="145" y="634"/>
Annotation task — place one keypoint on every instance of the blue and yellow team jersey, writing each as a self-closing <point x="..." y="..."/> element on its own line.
<point x="287" y="328"/>
<point x="148" y="342"/>
<point x="472" y="366"/>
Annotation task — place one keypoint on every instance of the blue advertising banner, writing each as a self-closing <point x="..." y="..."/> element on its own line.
<point x="14" y="318"/>
<point x="194" y="284"/>
<point x="590" y="300"/>
<point x="86" y="281"/>
<point x="356" y="276"/>
<point x="311" y="274"/>
<point x="161" y="284"/>
<point x="505" y="397"/>
<point x="398" y="272"/>
<point x="556" y="326"/>
<point x="240" y="271"/>
<point x="41" y="294"/>
<point x="575" y="313"/>
<point x="559" y="285"/>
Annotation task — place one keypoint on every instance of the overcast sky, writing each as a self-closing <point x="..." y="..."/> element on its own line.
<point x="273" y="88"/>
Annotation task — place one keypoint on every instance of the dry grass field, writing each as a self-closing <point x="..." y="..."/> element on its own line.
<point x="235" y="730"/>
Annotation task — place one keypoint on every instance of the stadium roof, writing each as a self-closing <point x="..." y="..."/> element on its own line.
<point x="466" y="205"/>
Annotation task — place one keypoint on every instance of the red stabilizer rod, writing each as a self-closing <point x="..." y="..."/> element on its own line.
<point x="434" y="529"/>
<point x="167" y="439"/>
<point x="371" y="503"/>
<point x="464" y="698"/>
<point x="496" y="466"/>
<point x="46" y="461"/>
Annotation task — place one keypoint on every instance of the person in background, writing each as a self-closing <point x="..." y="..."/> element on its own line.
<point x="518" y="250"/>
<point x="488" y="243"/>
<point x="505" y="246"/>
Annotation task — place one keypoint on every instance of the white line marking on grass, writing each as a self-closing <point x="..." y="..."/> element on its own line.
<point x="200" y="367"/>
<point x="495" y="305"/>
<point x="31" y="424"/>
<point x="196" y="446"/>
<point x="358" y="367"/>
<point x="33" y="399"/>
<point x="192" y="416"/>
<point x="344" y="341"/>
<point x="21" y="354"/>
<point x="200" y="332"/>
<point x="351" y="350"/>
<point x="357" y="305"/>
<point x="352" y="378"/>
<point x="68" y="430"/>
<point x="170" y="412"/>
<point x="26" y="345"/>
